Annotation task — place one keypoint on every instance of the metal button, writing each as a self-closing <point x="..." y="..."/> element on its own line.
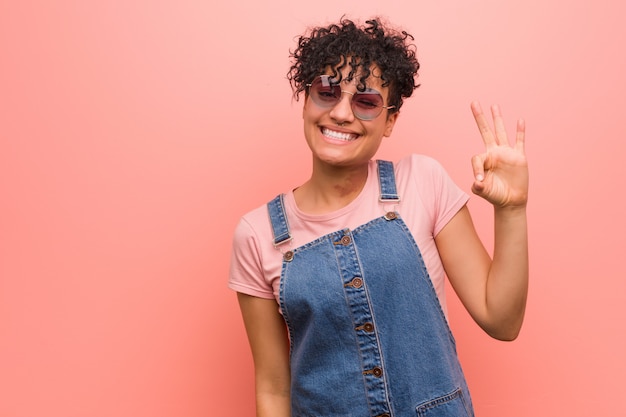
<point x="346" y="240"/>
<point x="377" y="372"/>
<point x="384" y="415"/>
<point x="356" y="282"/>
<point x="368" y="327"/>
<point x="288" y="256"/>
<point x="391" y="215"/>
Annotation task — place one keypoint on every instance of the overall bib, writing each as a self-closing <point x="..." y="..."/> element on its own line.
<point x="368" y="336"/>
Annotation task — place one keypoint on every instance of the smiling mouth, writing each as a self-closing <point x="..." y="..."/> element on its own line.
<point x="347" y="137"/>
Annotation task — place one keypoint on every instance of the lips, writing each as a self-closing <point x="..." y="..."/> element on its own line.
<point x="332" y="134"/>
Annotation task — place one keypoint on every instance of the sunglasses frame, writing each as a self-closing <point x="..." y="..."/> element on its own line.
<point x="352" y="102"/>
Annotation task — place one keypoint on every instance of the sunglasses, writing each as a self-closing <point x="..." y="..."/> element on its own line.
<point x="366" y="105"/>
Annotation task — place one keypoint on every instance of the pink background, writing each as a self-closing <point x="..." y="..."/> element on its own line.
<point x="134" y="134"/>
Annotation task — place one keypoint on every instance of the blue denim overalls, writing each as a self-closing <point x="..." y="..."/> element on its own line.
<point x="367" y="333"/>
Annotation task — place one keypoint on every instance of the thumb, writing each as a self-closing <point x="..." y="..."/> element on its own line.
<point x="478" y="166"/>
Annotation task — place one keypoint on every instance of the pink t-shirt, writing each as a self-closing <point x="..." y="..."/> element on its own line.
<point x="428" y="200"/>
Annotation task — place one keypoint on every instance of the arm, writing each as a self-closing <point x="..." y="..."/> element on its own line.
<point x="493" y="291"/>
<point x="267" y="335"/>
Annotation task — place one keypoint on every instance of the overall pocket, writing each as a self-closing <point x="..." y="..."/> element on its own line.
<point x="449" y="405"/>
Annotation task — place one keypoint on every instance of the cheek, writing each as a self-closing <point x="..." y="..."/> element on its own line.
<point x="306" y="109"/>
<point x="311" y="113"/>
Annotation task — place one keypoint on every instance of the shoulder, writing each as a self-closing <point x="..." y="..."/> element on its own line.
<point x="254" y="225"/>
<point x="423" y="180"/>
<point x="251" y="246"/>
<point x="421" y="173"/>
<point x="419" y="164"/>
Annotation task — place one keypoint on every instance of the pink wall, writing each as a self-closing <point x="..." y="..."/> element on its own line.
<point x="133" y="134"/>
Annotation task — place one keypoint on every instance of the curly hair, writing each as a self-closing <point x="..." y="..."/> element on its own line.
<point x="346" y="44"/>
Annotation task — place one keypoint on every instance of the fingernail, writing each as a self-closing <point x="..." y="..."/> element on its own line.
<point x="479" y="177"/>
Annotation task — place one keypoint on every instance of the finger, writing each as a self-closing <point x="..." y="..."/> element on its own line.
<point x="498" y="124"/>
<point x="478" y="166"/>
<point x="478" y="188"/>
<point x="520" y="136"/>
<point x="483" y="125"/>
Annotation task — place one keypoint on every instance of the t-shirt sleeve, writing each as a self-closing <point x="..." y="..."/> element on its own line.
<point x="451" y="197"/>
<point x="246" y="270"/>
<point x="446" y="197"/>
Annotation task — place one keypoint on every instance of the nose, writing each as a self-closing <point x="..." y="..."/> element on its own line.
<point x="342" y="111"/>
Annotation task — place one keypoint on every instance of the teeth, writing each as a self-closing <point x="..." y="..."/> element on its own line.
<point x="338" y="135"/>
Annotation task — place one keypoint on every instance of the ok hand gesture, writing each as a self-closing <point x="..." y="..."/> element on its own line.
<point x="501" y="172"/>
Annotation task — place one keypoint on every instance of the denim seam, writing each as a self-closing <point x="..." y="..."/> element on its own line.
<point x="378" y="342"/>
<point x="430" y="404"/>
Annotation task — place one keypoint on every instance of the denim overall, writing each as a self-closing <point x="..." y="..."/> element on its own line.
<point x="367" y="334"/>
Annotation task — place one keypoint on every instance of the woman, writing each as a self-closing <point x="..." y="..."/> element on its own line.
<point x="341" y="281"/>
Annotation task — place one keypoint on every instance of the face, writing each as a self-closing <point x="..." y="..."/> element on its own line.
<point x="339" y="138"/>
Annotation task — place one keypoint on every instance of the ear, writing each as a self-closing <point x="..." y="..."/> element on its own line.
<point x="390" y="123"/>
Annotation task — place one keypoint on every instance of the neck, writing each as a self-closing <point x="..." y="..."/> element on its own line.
<point x="330" y="188"/>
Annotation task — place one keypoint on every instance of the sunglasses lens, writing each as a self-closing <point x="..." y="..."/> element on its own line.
<point x="366" y="105"/>
<point x="324" y="93"/>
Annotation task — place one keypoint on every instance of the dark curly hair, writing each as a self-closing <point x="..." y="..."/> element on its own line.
<point x="346" y="44"/>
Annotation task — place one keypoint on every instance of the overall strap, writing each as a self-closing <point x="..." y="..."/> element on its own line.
<point x="278" y="218"/>
<point x="387" y="181"/>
